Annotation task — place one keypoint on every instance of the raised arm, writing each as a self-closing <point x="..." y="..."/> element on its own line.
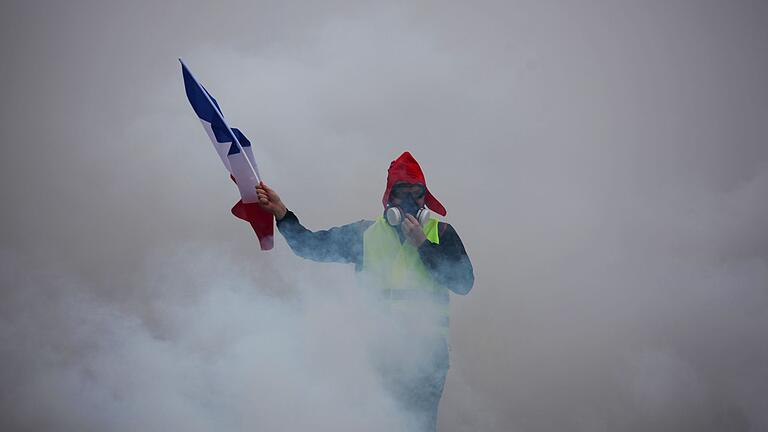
<point x="338" y="244"/>
<point x="342" y="244"/>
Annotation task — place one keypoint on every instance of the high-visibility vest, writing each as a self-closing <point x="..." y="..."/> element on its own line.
<point x="396" y="270"/>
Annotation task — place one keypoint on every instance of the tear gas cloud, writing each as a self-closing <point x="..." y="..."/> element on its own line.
<point x="605" y="164"/>
<point x="293" y="362"/>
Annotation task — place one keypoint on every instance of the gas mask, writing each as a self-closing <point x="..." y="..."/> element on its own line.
<point x="395" y="215"/>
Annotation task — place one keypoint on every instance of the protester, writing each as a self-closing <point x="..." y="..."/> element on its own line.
<point x="410" y="260"/>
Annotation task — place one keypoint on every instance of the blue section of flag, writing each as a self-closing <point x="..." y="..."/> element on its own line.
<point x="243" y="142"/>
<point x="209" y="110"/>
<point x="240" y="137"/>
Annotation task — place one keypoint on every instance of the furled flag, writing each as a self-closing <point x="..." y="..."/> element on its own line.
<point x="235" y="152"/>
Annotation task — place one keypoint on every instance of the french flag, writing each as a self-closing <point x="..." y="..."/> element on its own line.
<point x="236" y="153"/>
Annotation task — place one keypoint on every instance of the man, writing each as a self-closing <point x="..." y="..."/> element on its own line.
<point x="411" y="260"/>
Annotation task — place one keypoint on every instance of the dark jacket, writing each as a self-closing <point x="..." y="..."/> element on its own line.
<point x="447" y="261"/>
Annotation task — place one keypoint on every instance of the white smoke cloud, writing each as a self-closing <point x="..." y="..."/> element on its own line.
<point x="213" y="354"/>
<point x="604" y="163"/>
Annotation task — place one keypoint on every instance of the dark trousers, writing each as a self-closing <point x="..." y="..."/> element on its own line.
<point x="418" y="387"/>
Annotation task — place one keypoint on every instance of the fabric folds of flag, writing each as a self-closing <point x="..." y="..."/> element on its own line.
<point x="236" y="154"/>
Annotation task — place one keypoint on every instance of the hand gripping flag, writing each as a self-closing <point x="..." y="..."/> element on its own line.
<point x="235" y="152"/>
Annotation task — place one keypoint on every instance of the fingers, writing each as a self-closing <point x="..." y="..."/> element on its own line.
<point x="262" y="196"/>
<point x="268" y="191"/>
<point x="407" y="222"/>
<point x="266" y="188"/>
<point x="264" y="193"/>
<point x="269" y="200"/>
<point x="409" y="226"/>
<point x="412" y="231"/>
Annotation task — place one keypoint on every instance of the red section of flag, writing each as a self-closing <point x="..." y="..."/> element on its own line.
<point x="261" y="220"/>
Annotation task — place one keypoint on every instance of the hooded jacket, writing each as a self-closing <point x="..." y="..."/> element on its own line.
<point x="405" y="169"/>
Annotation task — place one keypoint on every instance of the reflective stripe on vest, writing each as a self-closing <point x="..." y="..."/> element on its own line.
<point x="398" y="272"/>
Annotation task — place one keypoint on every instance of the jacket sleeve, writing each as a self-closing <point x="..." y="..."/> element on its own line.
<point x="343" y="244"/>
<point x="448" y="262"/>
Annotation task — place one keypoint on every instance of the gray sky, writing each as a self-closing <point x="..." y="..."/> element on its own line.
<point x="604" y="162"/>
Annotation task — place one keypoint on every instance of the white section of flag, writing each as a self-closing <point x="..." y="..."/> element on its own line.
<point x="237" y="165"/>
<point x="245" y="177"/>
<point x="221" y="148"/>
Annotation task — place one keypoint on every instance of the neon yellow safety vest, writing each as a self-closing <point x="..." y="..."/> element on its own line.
<point x="396" y="269"/>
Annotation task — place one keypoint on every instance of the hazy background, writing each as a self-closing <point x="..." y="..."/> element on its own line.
<point x="604" y="162"/>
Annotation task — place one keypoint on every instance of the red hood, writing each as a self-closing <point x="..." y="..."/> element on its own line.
<point x="406" y="169"/>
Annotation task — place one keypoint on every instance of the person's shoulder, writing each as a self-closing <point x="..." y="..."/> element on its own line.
<point x="362" y="224"/>
<point x="446" y="230"/>
<point x="442" y="227"/>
